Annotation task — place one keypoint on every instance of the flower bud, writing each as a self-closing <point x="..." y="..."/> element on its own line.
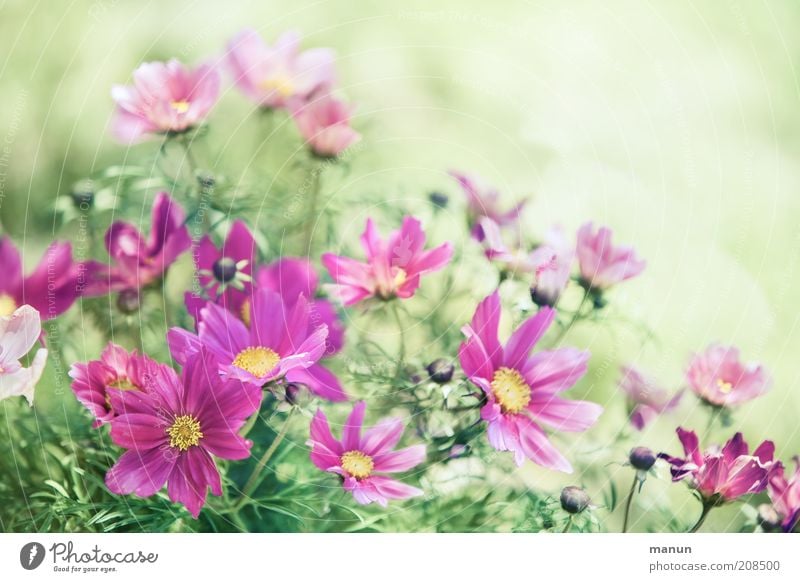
<point x="206" y="180"/>
<point x="128" y="301"/>
<point x="224" y="270"/>
<point x="82" y="195"/>
<point x="438" y="199"/>
<point x="574" y="499"/>
<point x="642" y="458"/>
<point x="441" y="371"/>
<point x="295" y="393"/>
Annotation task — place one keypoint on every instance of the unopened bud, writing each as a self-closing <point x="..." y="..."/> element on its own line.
<point x="441" y="371"/>
<point x="128" y="301"/>
<point x="642" y="458"/>
<point x="574" y="499"/>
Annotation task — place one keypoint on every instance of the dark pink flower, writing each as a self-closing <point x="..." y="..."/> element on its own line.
<point x="51" y="289"/>
<point x="719" y="377"/>
<point x="393" y="268"/>
<point x="117" y="368"/>
<point x="603" y="265"/>
<point x="175" y="429"/>
<point x="485" y="201"/>
<point x="272" y="76"/>
<point x="164" y="98"/>
<point x="360" y="459"/>
<point x="721" y="475"/>
<point x="785" y="496"/>
<point x="324" y="122"/>
<point x="139" y="262"/>
<point x="522" y="389"/>
<point x="647" y="398"/>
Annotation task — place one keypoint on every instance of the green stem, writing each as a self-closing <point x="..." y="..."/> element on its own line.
<point x="568" y="525"/>
<point x="574" y="319"/>
<point x="707" y="507"/>
<point x="402" y="355"/>
<point x="628" y="504"/>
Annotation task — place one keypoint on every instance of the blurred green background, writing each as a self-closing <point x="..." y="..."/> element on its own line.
<point x="675" y="123"/>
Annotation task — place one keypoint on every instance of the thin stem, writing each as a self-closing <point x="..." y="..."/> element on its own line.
<point x="402" y="355"/>
<point x="628" y="504"/>
<point x="575" y="317"/>
<point x="190" y="160"/>
<point x="568" y="525"/>
<point x="707" y="507"/>
<point x="316" y="181"/>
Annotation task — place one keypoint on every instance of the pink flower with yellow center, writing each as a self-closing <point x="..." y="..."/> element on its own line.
<point x="522" y="390"/>
<point x="719" y="377"/>
<point x="19" y="332"/>
<point x="361" y="459"/>
<point x="602" y="264"/>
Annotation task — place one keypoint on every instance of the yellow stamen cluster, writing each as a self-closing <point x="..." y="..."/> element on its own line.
<point x="357" y="464"/>
<point x="259" y="361"/>
<point x="7" y="305"/>
<point x="185" y="432"/>
<point x="724" y="387"/>
<point x="281" y="84"/>
<point x="180" y="106"/>
<point x="510" y="390"/>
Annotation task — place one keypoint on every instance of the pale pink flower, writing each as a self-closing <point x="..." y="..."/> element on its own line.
<point x="647" y="398"/>
<point x="602" y="264"/>
<point x="19" y="332"/>
<point x="719" y="378"/>
<point x="324" y="123"/>
<point x="785" y="496"/>
<point x="485" y="201"/>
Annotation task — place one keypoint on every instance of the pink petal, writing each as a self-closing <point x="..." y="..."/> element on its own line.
<point x="141" y="472"/>
<point x="560" y="414"/>
<point x="526" y="336"/>
<point x="351" y="439"/>
<point x="401" y="460"/>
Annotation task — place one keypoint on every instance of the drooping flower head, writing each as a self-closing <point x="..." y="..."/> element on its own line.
<point x="785" y="496"/>
<point x="19" y="331"/>
<point x="647" y="399"/>
<point x="722" y="475"/>
<point x="513" y="258"/>
<point x="551" y="280"/>
<point x="361" y="459"/>
<point x="602" y="264"/>
<point x="118" y="369"/>
<point x="164" y="98"/>
<point x="522" y="389"/>
<point x="393" y="268"/>
<point x="324" y="124"/>
<point x="138" y="262"/>
<point x="175" y="429"/>
<point x="273" y="76"/>
<point x="719" y="378"/>
<point x="485" y="201"/>
<point x="51" y="289"/>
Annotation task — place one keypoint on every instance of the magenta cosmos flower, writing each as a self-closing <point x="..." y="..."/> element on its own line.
<point x="272" y="76"/>
<point x="18" y="334"/>
<point x="522" y="389"/>
<point x="393" y="268"/>
<point x="785" y="496"/>
<point x="164" y="98"/>
<point x="117" y="369"/>
<point x="139" y="262"/>
<point x="721" y="475"/>
<point x="173" y="431"/>
<point x="485" y="201"/>
<point x="360" y="459"/>
<point x="51" y="289"/>
<point x="324" y="123"/>
<point x="719" y="378"/>
<point x="646" y="398"/>
<point x="602" y="264"/>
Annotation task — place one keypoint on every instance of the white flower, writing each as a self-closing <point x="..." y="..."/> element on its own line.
<point x="18" y="334"/>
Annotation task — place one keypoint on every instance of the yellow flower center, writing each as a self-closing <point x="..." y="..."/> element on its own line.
<point x="7" y="305"/>
<point x="244" y="312"/>
<point x="510" y="390"/>
<point x="259" y="361"/>
<point x="180" y="106"/>
<point x="357" y="464"/>
<point x="184" y="432"/>
<point x="400" y="277"/>
<point x="120" y="384"/>
<point x="724" y="387"/>
<point x="281" y="84"/>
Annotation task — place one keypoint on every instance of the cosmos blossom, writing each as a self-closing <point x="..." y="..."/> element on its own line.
<point x="512" y="256"/>
<point x="646" y="398"/>
<point x="785" y="496"/>
<point x="718" y="376"/>
<point x="164" y="98"/>
<point x="551" y="280"/>
<point x="173" y="431"/>
<point x="602" y="264"/>
<point x="484" y="201"/>
<point x="361" y="459"/>
<point x="393" y="268"/>
<point x="522" y="389"/>
<point x="324" y="124"/>
<point x="19" y="332"/>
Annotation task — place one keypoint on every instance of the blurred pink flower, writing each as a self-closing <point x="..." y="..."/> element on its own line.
<point x="19" y="332"/>
<point x="551" y="280"/>
<point x="512" y="257"/>
<point x="719" y="378"/>
<point x="164" y="98"/>
<point x="393" y="268"/>
<point x="522" y="389"/>
<point x="360" y="459"/>
<point x="785" y="496"/>
<point x="602" y="264"/>
<point x="647" y="398"/>
<point x="274" y="76"/>
<point x="324" y="123"/>
<point x="484" y="201"/>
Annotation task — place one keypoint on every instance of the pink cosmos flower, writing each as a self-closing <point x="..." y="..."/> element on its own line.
<point x="324" y="123"/>
<point x="785" y="496"/>
<point x="51" y="289"/>
<point x="164" y="98"/>
<point x="393" y="268"/>
<point x="551" y="281"/>
<point x="117" y="369"/>
<point x="522" y="389"/>
<point x="360" y="459"/>
<point x="721" y="475"/>
<point x="647" y="398"/>
<point x="719" y="378"/>
<point x="173" y="431"/>
<point x="18" y="334"/>
<point x="484" y="201"/>
<point x="139" y="262"/>
<point x="602" y="264"/>
<point x="514" y="258"/>
<point x="274" y="76"/>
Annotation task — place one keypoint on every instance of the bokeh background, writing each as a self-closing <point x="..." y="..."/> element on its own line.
<point x="675" y="123"/>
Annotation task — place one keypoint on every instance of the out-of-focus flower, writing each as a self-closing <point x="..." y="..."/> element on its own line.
<point x="719" y="378"/>
<point x="722" y="475"/>
<point x="164" y="98"/>
<point x="574" y="499"/>
<point x="324" y="123"/>
<point x="117" y="368"/>
<point x="173" y="431"/>
<point x="785" y="496"/>
<point x="513" y="258"/>
<point x="603" y="265"/>
<point x="646" y="398"/>
<point x="393" y="268"/>
<point x="51" y="289"/>
<point x="139" y="262"/>
<point x="522" y="389"/>
<point x="273" y="76"/>
<point x="551" y="280"/>
<point x="360" y="459"/>
<point x="485" y="201"/>
<point x="19" y="331"/>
